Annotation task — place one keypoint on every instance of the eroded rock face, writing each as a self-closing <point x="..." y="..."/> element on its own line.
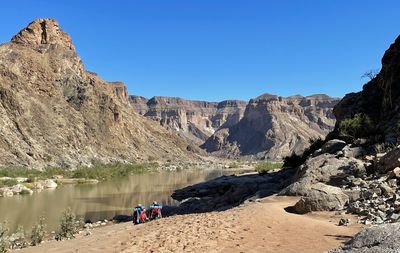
<point x="274" y="127"/>
<point x="194" y="120"/>
<point x="55" y="113"/>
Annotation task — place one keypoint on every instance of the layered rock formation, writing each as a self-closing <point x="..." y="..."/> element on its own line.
<point x="193" y="120"/>
<point x="55" y="113"/>
<point x="273" y="127"/>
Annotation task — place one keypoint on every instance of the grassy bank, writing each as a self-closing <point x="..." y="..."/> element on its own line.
<point x="97" y="171"/>
<point x="263" y="167"/>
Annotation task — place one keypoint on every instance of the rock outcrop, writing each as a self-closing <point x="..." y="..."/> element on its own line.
<point x="379" y="99"/>
<point x="194" y="120"/>
<point x="383" y="238"/>
<point x="228" y="191"/>
<point x="321" y="197"/>
<point x="274" y="127"/>
<point x="55" y="113"/>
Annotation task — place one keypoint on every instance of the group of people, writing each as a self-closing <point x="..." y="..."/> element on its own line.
<point x="141" y="214"/>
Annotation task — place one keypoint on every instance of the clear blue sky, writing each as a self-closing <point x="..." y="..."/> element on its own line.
<point x="222" y="49"/>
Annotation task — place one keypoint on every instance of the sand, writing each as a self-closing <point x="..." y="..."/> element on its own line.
<point x="262" y="226"/>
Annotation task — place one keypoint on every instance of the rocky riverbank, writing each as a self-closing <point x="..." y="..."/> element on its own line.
<point x="24" y="186"/>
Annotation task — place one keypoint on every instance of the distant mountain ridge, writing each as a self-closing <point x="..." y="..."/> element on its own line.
<point x="191" y="119"/>
<point x="268" y="126"/>
<point x="273" y="127"/>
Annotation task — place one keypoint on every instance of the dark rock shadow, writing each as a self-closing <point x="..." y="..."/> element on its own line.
<point x="341" y="237"/>
<point x="290" y="209"/>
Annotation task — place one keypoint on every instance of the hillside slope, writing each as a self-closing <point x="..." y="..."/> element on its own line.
<point x="55" y="113"/>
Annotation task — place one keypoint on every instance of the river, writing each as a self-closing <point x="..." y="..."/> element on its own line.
<point x="98" y="201"/>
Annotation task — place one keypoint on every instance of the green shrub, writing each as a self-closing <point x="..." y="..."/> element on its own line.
<point x="69" y="225"/>
<point x="265" y="166"/>
<point x="357" y="127"/>
<point x="295" y="160"/>
<point x="18" y="239"/>
<point x="8" y="182"/>
<point x="4" y="240"/>
<point x="38" y="232"/>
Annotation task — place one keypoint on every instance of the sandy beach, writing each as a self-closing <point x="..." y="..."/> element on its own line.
<point x="262" y="226"/>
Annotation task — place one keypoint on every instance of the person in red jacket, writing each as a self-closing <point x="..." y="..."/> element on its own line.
<point x="155" y="211"/>
<point x="139" y="214"/>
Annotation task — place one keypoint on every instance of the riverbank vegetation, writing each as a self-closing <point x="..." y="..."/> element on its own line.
<point x="70" y="225"/>
<point x="96" y="171"/>
<point x="8" y="182"/>
<point x="264" y="167"/>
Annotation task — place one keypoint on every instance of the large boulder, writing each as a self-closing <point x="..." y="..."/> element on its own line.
<point x="333" y="146"/>
<point x="20" y="189"/>
<point x="49" y="183"/>
<point x="355" y="152"/>
<point x="395" y="173"/>
<point x="325" y="168"/>
<point x="321" y="197"/>
<point x="383" y="238"/>
<point x="389" y="161"/>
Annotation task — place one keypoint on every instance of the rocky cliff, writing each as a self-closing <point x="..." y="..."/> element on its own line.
<point x="55" y="113"/>
<point x="193" y="120"/>
<point x="274" y="127"/>
<point x="379" y="99"/>
<point x="357" y="169"/>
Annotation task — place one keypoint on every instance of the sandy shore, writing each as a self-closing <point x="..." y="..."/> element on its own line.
<point x="254" y="227"/>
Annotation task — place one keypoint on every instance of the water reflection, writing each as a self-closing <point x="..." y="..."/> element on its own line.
<point x="101" y="201"/>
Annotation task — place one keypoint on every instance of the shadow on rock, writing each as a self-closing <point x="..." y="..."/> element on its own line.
<point x="223" y="193"/>
<point x="229" y="191"/>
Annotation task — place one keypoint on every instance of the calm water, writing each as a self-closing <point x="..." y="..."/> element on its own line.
<point x="99" y="201"/>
